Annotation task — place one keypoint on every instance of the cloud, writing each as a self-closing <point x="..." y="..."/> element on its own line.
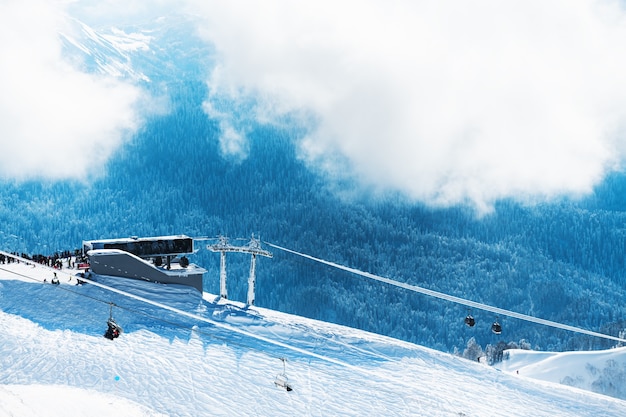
<point x="56" y="122"/>
<point x="121" y="12"/>
<point x="448" y="102"/>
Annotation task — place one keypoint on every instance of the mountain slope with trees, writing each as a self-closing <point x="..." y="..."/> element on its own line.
<point x="562" y="261"/>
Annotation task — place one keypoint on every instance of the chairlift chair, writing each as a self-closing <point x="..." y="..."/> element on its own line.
<point x="281" y="380"/>
<point x="113" y="329"/>
<point x="469" y="320"/>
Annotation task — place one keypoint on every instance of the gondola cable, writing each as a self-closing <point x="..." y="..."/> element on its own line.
<point x="454" y="299"/>
<point x="200" y="318"/>
<point x="134" y="311"/>
<point x="64" y="288"/>
<point x="366" y="371"/>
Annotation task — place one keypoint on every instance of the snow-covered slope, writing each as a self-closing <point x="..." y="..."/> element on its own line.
<point x="62" y="400"/>
<point x="601" y="371"/>
<point x="165" y="48"/>
<point x="221" y="359"/>
<point x="108" y="53"/>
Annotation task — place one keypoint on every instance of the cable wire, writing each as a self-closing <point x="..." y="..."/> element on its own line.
<point x="457" y="300"/>
<point x="364" y="371"/>
<point x="224" y="326"/>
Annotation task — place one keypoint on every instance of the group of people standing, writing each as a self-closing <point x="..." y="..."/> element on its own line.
<point x="8" y="259"/>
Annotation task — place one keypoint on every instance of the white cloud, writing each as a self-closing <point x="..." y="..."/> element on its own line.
<point x="121" y="12"/>
<point x="56" y="122"/>
<point x="448" y="102"/>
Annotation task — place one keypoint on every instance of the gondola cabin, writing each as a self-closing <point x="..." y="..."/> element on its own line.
<point x="496" y="328"/>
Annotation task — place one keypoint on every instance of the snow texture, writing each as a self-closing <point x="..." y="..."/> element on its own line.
<point x="222" y="359"/>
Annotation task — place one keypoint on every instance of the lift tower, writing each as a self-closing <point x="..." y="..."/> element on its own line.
<point x="253" y="248"/>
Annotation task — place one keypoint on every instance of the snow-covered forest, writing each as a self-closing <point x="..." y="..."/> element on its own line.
<point x="562" y="260"/>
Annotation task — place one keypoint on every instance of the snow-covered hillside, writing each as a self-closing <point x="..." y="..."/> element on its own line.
<point x="105" y="53"/>
<point x="144" y="54"/>
<point x="599" y="371"/>
<point x="222" y="359"/>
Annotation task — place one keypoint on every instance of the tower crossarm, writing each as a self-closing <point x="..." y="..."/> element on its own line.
<point x="254" y="247"/>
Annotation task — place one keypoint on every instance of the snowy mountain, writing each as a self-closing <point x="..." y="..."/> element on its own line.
<point x="146" y="54"/>
<point x="106" y="53"/>
<point x="561" y="261"/>
<point x="181" y="355"/>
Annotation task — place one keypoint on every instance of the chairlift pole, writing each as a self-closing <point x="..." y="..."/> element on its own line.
<point x="253" y="248"/>
<point x="222" y="246"/>
<point x="252" y="280"/>
<point x="223" y="292"/>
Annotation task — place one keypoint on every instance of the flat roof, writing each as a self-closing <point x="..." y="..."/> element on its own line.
<point x="137" y="239"/>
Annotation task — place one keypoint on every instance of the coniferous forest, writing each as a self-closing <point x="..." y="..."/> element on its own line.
<point x="562" y="261"/>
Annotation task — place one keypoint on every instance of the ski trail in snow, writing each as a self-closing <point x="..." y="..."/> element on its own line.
<point x="324" y="336"/>
<point x="320" y="336"/>
<point x="193" y="375"/>
<point x="11" y="404"/>
<point x="284" y="323"/>
<point x="224" y="326"/>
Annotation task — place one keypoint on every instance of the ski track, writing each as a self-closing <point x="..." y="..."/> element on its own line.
<point x="211" y="371"/>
